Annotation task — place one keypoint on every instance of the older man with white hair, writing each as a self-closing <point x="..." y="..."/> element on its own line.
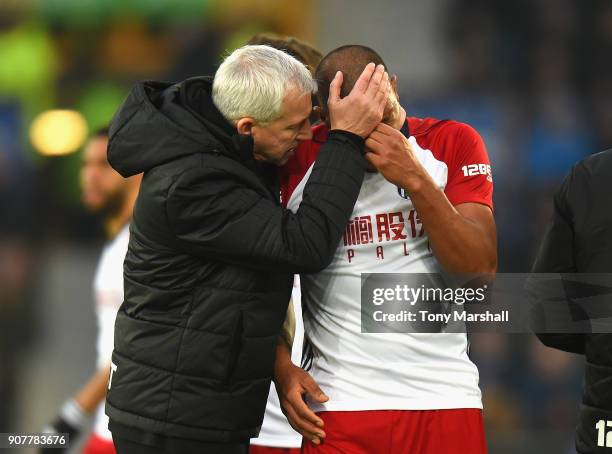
<point x="212" y="253"/>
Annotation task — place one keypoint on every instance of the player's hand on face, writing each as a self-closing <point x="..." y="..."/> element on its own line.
<point x="393" y="155"/>
<point x="292" y="385"/>
<point x="362" y="109"/>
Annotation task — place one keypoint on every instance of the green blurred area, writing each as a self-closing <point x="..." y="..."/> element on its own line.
<point x="83" y="13"/>
<point x="28" y="67"/>
<point x="85" y="54"/>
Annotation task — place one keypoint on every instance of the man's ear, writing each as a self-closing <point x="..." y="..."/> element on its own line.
<point x="393" y="82"/>
<point x="245" y="125"/>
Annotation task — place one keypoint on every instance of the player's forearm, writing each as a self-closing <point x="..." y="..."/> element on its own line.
<point x="73" y="415"/>
<point x="460" y="244"/>
<point x="94" y="391"/>
<point x="283" y="357"/>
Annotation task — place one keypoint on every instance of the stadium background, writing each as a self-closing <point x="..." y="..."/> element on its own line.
<point x="530" y="75"/>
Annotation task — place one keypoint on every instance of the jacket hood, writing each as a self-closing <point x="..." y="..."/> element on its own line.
<point x="159" y="122"/>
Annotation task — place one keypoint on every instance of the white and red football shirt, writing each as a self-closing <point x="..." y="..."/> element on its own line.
<point x="363" y="371"/>
<point x="108" y="291"/>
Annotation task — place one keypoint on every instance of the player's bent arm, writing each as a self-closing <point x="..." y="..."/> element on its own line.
<point x="292" y="384"/>
<point x="463" y="237"/>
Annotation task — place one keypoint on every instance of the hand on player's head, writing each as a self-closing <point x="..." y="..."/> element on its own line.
<point x="362" y="109"/>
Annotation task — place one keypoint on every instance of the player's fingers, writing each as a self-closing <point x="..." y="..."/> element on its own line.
<point x="375" y="141"/>
<point x="306" y="429"/>
<point x="372" y="146"/>
<point x="384" y="129"/>
<point x="304" y="411"/>
<point x="383" y="93"/>
<point x="378" y="79"/>
<point x="378" y="134"/>
<point x="374" y="159"/>
<point x="304" y="420"/>
<point x="364" y="79"/>
<point x="313" y="390"/>
<point x="334" y="87"/>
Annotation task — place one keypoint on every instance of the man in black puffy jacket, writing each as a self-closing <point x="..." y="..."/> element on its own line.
<point x="212" y="254"/>
<point x="579" y="240"/>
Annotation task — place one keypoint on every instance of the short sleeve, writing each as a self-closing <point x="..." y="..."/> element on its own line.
<point x="469" y="178"/>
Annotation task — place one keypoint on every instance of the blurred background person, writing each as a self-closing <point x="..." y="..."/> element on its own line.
<point x="108" y="194"/>
<point x="276" y="435"/>
<point x="579" y="240"/>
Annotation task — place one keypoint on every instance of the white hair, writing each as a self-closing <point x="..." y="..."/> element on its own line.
<point x="253" y="80"/>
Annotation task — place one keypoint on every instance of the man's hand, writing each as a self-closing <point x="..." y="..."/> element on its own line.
<point x="292" y="384"/>
<point x="394" y="157"/>
<point x="362" y="109"/>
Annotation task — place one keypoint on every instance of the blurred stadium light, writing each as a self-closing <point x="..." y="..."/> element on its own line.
<point x="58" y="132"/>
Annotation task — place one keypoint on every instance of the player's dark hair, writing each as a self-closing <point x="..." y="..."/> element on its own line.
<point x="350" y="59"/>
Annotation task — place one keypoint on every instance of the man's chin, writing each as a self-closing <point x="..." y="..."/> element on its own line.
<point x="105" y="207"/>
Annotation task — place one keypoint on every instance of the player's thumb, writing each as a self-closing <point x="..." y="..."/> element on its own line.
<point x="334" y="87"/>
<point x="313" y="389"/>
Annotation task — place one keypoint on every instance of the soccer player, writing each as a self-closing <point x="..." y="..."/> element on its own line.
<point x="109" y="194"/>
<point x="276" y="435"/>
<point x="399" y="393"/>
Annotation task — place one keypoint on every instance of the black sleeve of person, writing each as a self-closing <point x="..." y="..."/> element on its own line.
<point x="213" y="214"/>
<point x="556" y="255"/>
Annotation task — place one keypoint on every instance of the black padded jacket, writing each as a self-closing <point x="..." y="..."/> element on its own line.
<point x="579" y="240"/>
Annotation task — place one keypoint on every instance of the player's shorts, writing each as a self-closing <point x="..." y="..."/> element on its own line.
<point x="455" y="431"/>
<point x="98" y="445"/>
<point x="254" y="449"/>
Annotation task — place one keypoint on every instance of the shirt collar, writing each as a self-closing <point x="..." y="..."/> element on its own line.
<point x="405" y="129"/>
